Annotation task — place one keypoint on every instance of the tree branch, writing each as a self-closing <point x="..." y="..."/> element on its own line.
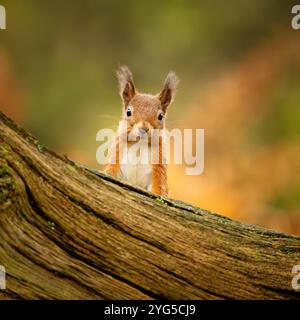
<point x="67" y="232"/>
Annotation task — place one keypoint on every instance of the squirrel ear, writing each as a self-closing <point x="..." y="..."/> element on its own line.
<point x="167" y="94"/>
<point x="127" y="89"/>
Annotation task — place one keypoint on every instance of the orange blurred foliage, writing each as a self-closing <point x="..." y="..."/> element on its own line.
<point x="241" y="177"/>
<point x="11" y="95"/>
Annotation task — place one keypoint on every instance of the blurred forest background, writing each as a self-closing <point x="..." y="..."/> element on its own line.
<point x="239" y="65"/>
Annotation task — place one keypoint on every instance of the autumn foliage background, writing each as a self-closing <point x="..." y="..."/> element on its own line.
<point x="239" y="65"/>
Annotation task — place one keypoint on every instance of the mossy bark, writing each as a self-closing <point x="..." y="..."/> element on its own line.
<point x="67" y="232"/>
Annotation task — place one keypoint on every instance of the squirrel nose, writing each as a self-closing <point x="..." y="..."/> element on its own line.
<point x="143" y="131"/>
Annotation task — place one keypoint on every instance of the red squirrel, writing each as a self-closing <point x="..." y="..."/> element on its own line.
<point x="141" y="114"/>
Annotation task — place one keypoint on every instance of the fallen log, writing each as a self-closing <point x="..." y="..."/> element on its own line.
<point x="68" y="232"/>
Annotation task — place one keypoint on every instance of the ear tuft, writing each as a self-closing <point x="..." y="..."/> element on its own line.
<point x="167" y="94"/>
<point x="126" y="84"/>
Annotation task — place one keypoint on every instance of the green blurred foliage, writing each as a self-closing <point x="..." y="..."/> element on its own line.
<point x="288" y="200"/>
<point x="282" y="121"/>
<point x="65" y="52"/>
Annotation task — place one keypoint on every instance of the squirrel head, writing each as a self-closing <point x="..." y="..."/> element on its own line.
<point x="144" y="112"/>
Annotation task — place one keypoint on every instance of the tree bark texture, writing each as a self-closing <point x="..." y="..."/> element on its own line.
<point x="69" y="232"/>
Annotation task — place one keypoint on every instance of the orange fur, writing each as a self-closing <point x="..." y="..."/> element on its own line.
<point x="112" y="165"/>
<point x="159" y="175"/>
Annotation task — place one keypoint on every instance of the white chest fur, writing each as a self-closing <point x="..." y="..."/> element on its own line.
<point x="137" y="169"/>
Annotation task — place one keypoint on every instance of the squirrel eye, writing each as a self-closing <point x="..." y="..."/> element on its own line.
<point x="128" y="113"/>
<point x="160" y="116"/>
